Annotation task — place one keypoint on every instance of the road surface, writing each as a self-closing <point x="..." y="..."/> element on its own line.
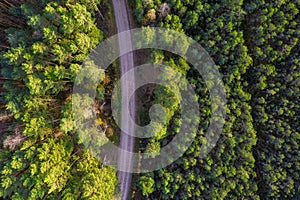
<point x="126" y="63"/>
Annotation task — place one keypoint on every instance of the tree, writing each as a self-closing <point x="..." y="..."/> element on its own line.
<point x="48" y="161"/>
<point x="146" y="183"/>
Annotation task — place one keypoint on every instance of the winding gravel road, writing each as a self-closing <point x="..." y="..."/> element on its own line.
<point x="126" y="63"/>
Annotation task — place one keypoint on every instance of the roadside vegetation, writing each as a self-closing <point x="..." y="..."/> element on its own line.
<point x="43" y="45"/>
<point x="255" y="44"/>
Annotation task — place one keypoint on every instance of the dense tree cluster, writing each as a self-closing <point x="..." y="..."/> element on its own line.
<point x="41" y="60"/>
<point x="256" y="47"/>
<point x="274" y="80"/>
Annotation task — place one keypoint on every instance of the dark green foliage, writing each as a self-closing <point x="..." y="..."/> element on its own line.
<point x="9" y="18"/>
<point x="255" y="45"/>
<point x="273" y="40"/>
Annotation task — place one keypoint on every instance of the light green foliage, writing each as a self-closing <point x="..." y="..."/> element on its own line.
<point x="146" y="183"/>
<point x="90" y="180"/>
<point x="40" y="66"/>
<point x="49" y="61"/>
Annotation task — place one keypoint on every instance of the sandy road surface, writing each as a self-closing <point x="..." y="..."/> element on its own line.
<point x="126" y="63"/>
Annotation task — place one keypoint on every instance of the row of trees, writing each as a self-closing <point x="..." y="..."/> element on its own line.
<point x="255" y="47"/>
<point x="42" y="156"/>
<point x="273" y="40"/>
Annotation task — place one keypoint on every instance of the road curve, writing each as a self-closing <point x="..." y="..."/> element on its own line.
<point x="126" y="63"/>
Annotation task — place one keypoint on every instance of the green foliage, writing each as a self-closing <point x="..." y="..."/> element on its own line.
<point x="40" y="66"/>
<point x="273" y="83"/>
<point x="9" y="18"/>
<point x="49" y="61"/>
<point x="146" y="183"/>
<point x="90" y="180"/>
<point x="256" y="47"/>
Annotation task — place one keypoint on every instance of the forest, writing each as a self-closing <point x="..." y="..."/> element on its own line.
<point x="255" y="46"/>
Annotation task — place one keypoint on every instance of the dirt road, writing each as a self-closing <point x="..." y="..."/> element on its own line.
<point x="126" y="63"/>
